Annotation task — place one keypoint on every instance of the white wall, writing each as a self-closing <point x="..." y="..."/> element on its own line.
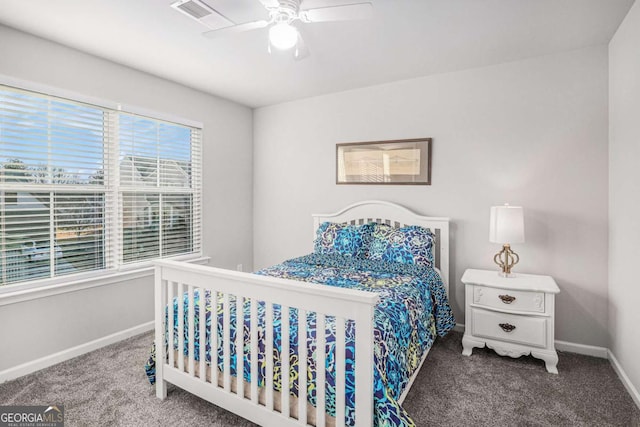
<point x="532" y="133"/>
<point x="624" y="194"/>
<point x="31" y="330"/>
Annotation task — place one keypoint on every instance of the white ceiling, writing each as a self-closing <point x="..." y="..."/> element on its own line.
<point x="406" y="39"/>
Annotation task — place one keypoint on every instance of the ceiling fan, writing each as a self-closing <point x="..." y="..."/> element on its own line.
<point x="284" y="15"/>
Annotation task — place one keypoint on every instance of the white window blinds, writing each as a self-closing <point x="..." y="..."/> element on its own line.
<point x="159" y="177"/>
<point x="87" y="188"/>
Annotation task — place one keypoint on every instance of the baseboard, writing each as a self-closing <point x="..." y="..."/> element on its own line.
<point x="633" y="391"/>
<point x="70" y="353"/>
<point x="587" y="350"/>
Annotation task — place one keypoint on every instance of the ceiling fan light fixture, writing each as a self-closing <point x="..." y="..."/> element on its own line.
<point x="283" y="36"/>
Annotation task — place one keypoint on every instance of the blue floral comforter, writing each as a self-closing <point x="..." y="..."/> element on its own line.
<point x="412" y="309"/>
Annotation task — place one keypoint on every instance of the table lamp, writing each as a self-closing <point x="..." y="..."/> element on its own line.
<point x="506" y="227"/>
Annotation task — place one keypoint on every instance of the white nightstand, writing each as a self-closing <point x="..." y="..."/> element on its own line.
<point x="514" y="316"/>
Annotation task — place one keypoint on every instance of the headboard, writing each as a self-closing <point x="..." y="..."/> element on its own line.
<point x="397" y="216"/>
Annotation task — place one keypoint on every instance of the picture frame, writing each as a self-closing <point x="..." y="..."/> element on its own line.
<point x="394" y="162"/>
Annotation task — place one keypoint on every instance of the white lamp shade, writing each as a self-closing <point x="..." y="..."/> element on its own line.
<point x="507" y="224"/>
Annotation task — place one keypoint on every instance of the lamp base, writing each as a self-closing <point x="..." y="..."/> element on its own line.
<point x="506" y="275"/>
<point x="506" y="259"/>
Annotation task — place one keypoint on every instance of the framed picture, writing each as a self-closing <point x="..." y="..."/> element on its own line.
<point x="401" y="162"/>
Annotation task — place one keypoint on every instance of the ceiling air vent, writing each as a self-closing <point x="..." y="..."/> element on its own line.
<point x="193" y="8"/>
<point x="202" y="12"/>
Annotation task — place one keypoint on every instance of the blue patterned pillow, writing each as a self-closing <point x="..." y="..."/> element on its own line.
<point x="408" y="245"/>
<point x="343" y="239"/>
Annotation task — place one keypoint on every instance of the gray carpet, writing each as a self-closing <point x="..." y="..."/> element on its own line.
<point x="487" y="389"/>
<point x="108" y="388"/>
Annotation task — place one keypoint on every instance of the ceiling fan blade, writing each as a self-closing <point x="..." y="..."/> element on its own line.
<point x="301" y="50"/>
<point x="348" y="12"/>
<point x="233" y="29"/>
<point x="270" y="4"/>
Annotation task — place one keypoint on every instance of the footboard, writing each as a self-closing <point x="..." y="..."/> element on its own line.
<point x="261" y="403"/>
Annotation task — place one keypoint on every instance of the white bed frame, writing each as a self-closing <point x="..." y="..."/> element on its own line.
<point x="175" y="278"/>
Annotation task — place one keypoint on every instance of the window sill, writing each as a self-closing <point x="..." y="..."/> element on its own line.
<point x="60" y="286"/>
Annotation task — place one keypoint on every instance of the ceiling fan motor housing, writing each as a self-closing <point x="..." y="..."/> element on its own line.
<point x="287" y="11"/>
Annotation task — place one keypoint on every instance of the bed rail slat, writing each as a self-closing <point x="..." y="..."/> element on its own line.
<point x="180" y="298"/>
<point x="170" y="296"/>
<point x="202" y="343"/>
<point x="340" y="371"/>
<point x="284" y="356"/>
<point x="191" y="334"/>
<point x="437" y="255"/>
<point x="254" y="351"/>
<point x="240" y="346"/>
<point x="226" y="343"/>
<point x="320" y="369"/>
<point x="364" y="366"/>
<point x="160" y="300"/>
<point x="302" y="367"/>
<point x="268" y="354"/>
<point x="213" y="338"/>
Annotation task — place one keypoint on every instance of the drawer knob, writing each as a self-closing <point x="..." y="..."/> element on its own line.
<point x="507" y="327"/>
<point x="507" y="299"/>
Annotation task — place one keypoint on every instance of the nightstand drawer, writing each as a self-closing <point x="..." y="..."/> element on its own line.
<point x="509" y="327"/>
<point x="508" y="299"/>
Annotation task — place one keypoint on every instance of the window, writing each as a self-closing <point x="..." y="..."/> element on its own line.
<point x="155" y="188"/>
<point x="84" y="187"/>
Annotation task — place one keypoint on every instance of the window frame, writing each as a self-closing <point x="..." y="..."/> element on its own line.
<point x="118" y="270"/>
